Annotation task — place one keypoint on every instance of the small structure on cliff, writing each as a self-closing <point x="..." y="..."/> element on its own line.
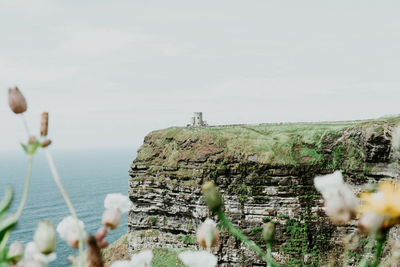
<point x="197" y="120"/>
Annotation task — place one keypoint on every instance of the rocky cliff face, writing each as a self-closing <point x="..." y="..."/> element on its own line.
<point x="264" y="172"/>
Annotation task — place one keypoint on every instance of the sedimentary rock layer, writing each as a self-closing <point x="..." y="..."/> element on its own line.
<point x="265" y="173"/>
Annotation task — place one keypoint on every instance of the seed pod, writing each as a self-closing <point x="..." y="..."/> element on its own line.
<point x="44" y="124"/>
<point x="45" y="143"/>
<point x="212" y="197"/>
<point x="16" y="100"/>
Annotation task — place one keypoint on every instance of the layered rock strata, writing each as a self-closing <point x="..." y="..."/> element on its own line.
<point x="265" y="173"/>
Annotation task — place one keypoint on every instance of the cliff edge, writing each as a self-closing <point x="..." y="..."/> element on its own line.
<point x="265" y="173"/>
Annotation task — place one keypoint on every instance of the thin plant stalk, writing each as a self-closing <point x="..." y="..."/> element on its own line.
<point x="26" y="125"/>
<point x="364" y="260"/>
<point x="379" y="248"/>
<point x="239" y="235"/>
<point x="67" y="201"/>
<point x="23" y="201"/>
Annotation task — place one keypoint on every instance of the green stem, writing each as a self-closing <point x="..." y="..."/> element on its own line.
<point x="379" y="247"/>
<point x="67" y="201"/>
<point x="22" y="203"/>
<point x="239" y="235"/>
<point x="269" y="252"/>
<point x="26" y="188"/>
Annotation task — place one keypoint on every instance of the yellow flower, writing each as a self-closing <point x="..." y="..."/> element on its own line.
<point x="385" y="202"/>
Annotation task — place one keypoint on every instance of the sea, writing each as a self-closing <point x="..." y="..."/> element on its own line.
<point x="88" y="176"/>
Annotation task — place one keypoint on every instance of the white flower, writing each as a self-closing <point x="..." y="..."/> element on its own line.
<point x="121" y="264"/>
<point x="117" y="201"/>
<point x="207" y="234"/>
<point x="142" y="259"/>
<point x="111" y="218"/>
<point x="69" y="229"/>
<point x="198" y="259"/>
<point x="32" y="253"/>
<point x="340" y="201"/>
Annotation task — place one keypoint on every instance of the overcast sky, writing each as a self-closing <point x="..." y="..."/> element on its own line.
<point x="109" y="72"/>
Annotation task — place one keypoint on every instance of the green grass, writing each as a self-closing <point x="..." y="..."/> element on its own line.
<point x="166" y="257"/>
<point x="273" y="144"/>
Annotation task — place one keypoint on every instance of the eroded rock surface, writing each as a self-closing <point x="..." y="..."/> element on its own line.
<point x="264" y="172"/>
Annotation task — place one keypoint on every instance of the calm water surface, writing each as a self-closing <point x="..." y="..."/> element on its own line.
<point x="88" y="176"/>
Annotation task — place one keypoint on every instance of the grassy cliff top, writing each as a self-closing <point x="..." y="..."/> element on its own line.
<point x="273" y="144"/>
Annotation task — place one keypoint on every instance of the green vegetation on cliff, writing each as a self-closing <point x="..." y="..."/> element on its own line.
<point x="334" y="145"/>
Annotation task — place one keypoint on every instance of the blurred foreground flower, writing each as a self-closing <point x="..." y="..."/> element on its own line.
<point x="115" y="205"/>
<point x="207" y="234"/>
<point x="198" y="258"/>
<point x="385" y="202"/>
<point x="16" y="100"/>
<point x="32" y="255"/>
<point x="268" y="232"/>
<point x="45" y="237"/>
<point x="212" y="197"/>
<point x="141" y="259"/>
<point x="16" y="251"/>
<point x="69" y="229"/>
<point x="340" y="201"/>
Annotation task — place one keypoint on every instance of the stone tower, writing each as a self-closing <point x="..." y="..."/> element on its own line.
<point x="197" y="120"/>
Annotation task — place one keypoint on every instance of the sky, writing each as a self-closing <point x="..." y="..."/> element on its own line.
<point x="109" y="72"/>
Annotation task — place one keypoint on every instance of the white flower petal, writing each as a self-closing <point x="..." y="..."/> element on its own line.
<point x="69" y="229"/>
<point x="117" y="201"/>
<point x="32" y="253"/>
<point x="198" y="259"/>
<point x="142" y="259"/>
<point x="328" y="183"/>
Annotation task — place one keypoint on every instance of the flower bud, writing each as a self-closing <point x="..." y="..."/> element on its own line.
<point x="45" y="143"/>
<point x="111" y="218"/>
<point x="16" y="100"/>
<point x="212" y="197"/>
<point x="45" y="237"/>
<point x="16" y="251"/>
<point x="44" y="124"/>
<point x="207" y="234"/>
<point x="268" y="232"/>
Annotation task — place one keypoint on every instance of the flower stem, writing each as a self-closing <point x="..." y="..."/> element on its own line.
<point x="239" y="235"/>
<point x="26" y="188"/>
<point x="22" y="203"/>
<point x="379" y="247"/>
<point x="26" y="125"/>
<point x="67" y="201"/>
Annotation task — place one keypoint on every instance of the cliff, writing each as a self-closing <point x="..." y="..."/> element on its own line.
<point x="265" y="173"/>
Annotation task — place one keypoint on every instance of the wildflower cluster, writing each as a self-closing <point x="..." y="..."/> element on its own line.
<point x="377" y="208"/>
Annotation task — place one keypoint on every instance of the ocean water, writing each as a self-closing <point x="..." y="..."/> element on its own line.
<point x="88" y="176"/>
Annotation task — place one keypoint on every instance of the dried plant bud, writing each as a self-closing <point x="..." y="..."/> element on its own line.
<point x="16" y="100"/>
<point x="94" y="253"/>
<point x="45" y="237"/>
<point x="16" y="251"/>
<point x="268" y="232"/>
<point x="45" y="143"/>
<point x="212" y="197"/>
<point x="111" y="218"/>
<point x="207" y="234"/>
<point x="44" y="124"/>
